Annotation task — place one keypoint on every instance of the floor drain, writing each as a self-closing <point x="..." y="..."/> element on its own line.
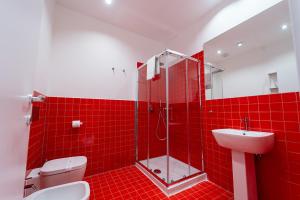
<point x="157" y="171"/>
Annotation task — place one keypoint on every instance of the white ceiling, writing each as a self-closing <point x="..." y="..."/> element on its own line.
<point x="160" y="20"/>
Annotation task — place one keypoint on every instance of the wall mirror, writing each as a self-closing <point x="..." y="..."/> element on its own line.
<point x="254" y="58"/>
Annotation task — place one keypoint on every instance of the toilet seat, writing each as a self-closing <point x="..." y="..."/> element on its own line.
<point x="63" y="165"/>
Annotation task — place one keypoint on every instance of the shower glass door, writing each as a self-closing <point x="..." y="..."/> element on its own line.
<point x="152" y="122"/>
<point x="178" y="120"/>
<point x="158" y="124"/>
<point x="168" y="119"/>
<point x="141" y="118"/>
<point x="184" y="118"/>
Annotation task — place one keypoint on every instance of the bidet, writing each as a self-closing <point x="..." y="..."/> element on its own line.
<point x="72" y="191"/>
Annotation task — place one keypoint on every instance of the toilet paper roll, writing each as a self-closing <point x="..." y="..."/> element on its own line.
<point x="76" y="124"/>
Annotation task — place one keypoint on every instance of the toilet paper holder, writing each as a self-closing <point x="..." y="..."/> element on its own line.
<point x="76" y="123"/>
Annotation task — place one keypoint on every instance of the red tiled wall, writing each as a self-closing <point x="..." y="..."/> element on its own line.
<point x="185" y="143"/>
<point x="37" y="133"/>
<point x="156" y="147"/>
<point x="106" y="136"/>
<point x="278" y="172"/>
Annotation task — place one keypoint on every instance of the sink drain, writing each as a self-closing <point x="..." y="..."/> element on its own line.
<point x="157" y="171"/>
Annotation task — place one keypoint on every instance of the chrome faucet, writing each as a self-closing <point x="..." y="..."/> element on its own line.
<point x="245" y="120"/>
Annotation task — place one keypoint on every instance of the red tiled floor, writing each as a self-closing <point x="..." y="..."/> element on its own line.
<point x="129" y="183"/>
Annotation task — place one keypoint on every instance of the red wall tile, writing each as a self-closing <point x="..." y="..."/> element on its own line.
<point x="106" y="136"/>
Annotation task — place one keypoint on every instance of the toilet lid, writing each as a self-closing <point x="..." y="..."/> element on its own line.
<point x="63" y="164"/>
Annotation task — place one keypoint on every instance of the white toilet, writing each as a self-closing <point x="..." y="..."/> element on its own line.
<point x="62" y="171"/>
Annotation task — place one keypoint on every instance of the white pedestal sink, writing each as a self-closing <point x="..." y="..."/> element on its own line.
<point x="243" y="145"/>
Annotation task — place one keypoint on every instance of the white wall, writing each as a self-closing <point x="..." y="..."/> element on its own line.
<point x="45" y="45"/>
<point x="295" y="8"/>
<point x="20" y="28"/>
<point x="84" y="52"/>
<point x="247" y="74"/>
<point x="85" y="49"/>
<point x="225" y="17"/>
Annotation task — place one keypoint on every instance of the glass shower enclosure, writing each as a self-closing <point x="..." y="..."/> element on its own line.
<point x="167" y="122"/>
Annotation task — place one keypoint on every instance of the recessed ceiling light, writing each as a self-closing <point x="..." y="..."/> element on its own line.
<point x="284" y="27"/>
<point x="240" y="44"/>
<point x="219" y="52"/>
<point x="108" y="2"/>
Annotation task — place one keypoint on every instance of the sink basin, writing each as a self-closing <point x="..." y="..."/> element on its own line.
<point x="245" y="141"/>
<point x="72" y="191"/>
<point x="243" y="145"/>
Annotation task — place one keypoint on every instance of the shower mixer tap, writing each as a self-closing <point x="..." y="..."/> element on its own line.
<point x="150" y="108"/>
<point x="245" y="120"/>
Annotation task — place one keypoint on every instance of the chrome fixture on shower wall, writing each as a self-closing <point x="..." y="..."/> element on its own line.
<point x="161" y="122"/>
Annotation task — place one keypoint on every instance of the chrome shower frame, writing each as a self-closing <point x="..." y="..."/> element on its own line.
<point x="180" y="56"/>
